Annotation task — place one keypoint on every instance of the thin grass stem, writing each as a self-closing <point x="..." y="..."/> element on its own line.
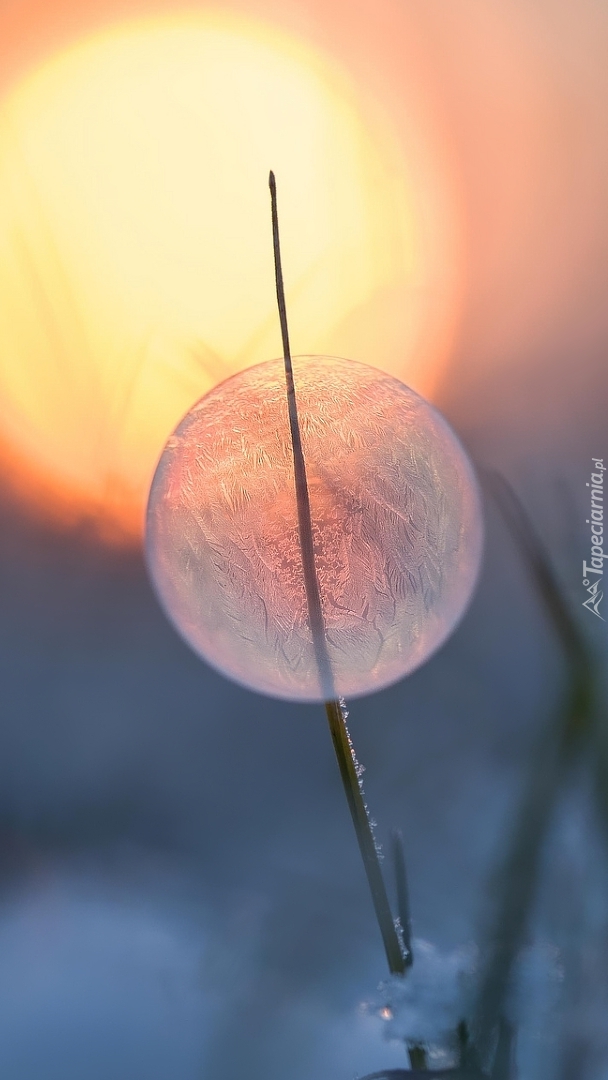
<point x="335" y="713"/>
<point x="557" y="749"/>
<point x="503" y="1066"/>
<point x="343" y="747"/>
<point x="416" y="1052"/>
<point x="403" y="896"/>
<point x="417" y="1056"/>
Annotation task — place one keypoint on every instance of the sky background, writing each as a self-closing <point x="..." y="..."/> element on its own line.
<point x="181" y="889"/>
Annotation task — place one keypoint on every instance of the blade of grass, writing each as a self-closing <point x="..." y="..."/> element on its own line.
<point x="554" y="755"/>
<point x="403" y="896"/>
<point x="502" y="1068"/>
<point x="584" y="690"/>
<point x="335" y="714"/>
<point x="397" y="961"/>
<point x="417" y="1056"/>
<point x="416" y="1053"/>
<point x="544" y="576"/>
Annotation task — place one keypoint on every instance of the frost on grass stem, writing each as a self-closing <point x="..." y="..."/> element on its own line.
<point x="426" y="1007"/>
<point x="359" y="770"/>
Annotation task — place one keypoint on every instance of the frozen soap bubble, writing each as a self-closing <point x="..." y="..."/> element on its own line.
<point x="395" y="515"/>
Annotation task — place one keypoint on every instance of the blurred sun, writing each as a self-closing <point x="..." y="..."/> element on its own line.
<point x="135" y="247"/>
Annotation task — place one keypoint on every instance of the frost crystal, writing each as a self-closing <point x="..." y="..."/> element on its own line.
<point x="426" y="1006"/>
<point x="359" y="770"/>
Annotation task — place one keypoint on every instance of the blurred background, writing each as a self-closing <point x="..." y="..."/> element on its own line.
<point x="181" y="893"/>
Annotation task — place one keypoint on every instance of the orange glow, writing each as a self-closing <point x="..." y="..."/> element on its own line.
<point x="135" y="248"/>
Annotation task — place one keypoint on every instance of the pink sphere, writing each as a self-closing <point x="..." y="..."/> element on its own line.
<point x="396" y="525"/>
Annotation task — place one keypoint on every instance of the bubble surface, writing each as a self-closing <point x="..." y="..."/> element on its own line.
<point x="396" y="524"/>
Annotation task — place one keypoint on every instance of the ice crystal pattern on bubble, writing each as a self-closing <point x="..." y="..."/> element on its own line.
<point x="395" y="518"/>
